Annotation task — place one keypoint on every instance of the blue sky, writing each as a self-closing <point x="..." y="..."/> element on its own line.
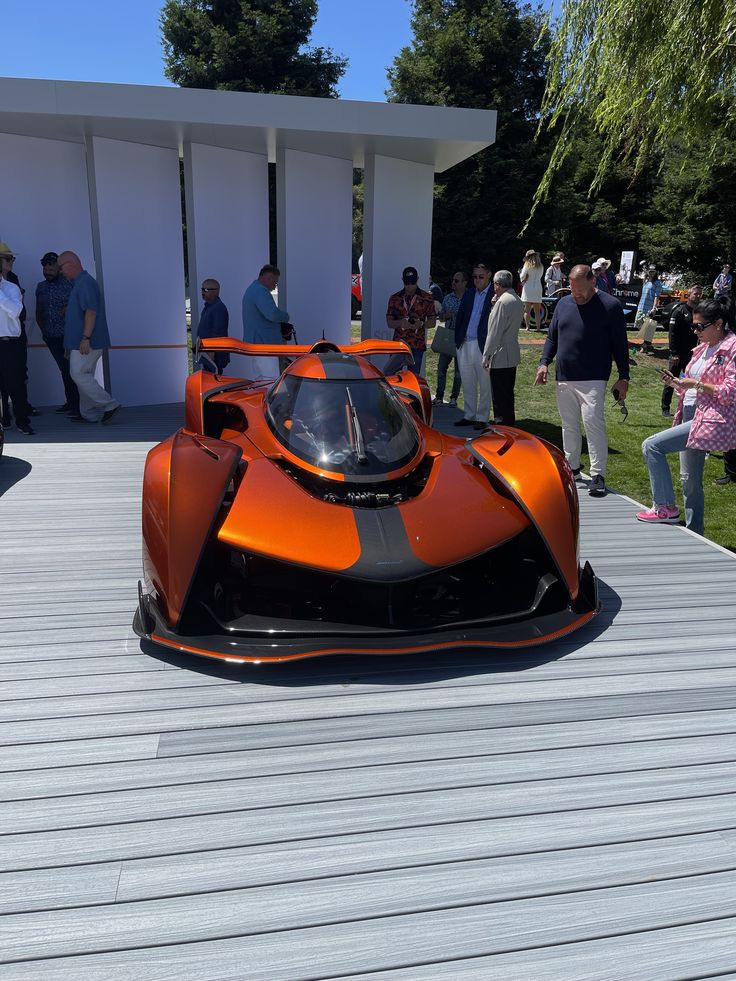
<point x="101" y="41"/>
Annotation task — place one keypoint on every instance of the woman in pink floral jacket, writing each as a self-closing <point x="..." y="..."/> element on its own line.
<point x="705" y="420"/>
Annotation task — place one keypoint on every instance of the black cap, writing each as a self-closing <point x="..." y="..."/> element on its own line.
<point x="410" y="275"/>
<point x="49" y="257"/>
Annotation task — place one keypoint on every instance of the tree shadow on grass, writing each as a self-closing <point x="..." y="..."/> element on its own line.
<point x="401" y="669"/>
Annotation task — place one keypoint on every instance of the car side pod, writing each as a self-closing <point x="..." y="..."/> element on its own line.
<point x="534" y="474"/>
<point x="184" y="484"/>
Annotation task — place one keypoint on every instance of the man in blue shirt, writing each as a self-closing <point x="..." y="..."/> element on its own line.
<point x="52" y="296"/>
<point x="213" y="322"/>
<point x="587" y="333"/>
<point x="648" y="303"/>
<point x="471" y="330"/>
<point x="262" y="319"/>
<point x="85" y="338"/>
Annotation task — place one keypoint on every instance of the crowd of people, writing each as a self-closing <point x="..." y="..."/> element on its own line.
<point x="587" y="336"/>
<point x="70" y="313"/>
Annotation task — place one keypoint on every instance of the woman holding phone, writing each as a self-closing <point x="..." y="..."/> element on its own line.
<point x="705" y="420"/>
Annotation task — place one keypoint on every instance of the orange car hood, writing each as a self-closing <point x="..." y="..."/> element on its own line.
<point x="457" y="515"/>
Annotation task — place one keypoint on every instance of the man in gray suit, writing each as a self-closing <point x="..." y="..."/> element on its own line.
<point x="501" y="353"/>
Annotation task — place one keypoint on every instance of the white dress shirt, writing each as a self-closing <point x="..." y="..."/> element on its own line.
<point x="478" y="300"/>
<point x="11" y="304"/>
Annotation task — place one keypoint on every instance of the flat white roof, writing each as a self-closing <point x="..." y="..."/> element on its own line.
<point x="168" y="116"/>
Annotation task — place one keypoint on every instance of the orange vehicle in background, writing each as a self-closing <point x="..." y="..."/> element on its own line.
<point x="320" y="513"/>
<point x="356" y="295"/>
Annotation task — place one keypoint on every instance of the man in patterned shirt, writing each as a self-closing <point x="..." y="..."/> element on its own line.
<point x="410" y="314"/>
<point x="52" y="296"/>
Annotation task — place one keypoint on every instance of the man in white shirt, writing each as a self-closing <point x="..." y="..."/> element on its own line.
<point x="12" y="367"/>
<point x="471" y="330"/>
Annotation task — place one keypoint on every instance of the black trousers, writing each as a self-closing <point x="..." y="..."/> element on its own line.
<point x="71" y="392"/>
<point x="502" y="393"/>
<point x="12" y="381"/>
<point x="443" y="364"/>
<point x="729" y="462"/>
<point x="676" y="366"/>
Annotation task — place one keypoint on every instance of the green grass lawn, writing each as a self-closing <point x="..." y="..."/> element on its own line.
<point x="536" y="411"/>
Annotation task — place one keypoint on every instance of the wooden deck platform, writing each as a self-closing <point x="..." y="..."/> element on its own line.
<point x="566" y="813"/>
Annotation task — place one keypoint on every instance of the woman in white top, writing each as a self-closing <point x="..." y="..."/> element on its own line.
<point x="531" y="285"/>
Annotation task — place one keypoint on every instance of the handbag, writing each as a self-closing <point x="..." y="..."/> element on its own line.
<point x="443" y="342"/>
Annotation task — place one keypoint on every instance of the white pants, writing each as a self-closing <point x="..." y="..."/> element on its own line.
<point x="264" y="368"/>
<point x="647" y="327"/>
<point x="94" y="401"/>
<point x="476" y="382"/>
<point x="584" y="399"/>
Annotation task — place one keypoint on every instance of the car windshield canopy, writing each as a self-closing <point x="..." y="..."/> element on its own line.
<point x="356" y="428"/>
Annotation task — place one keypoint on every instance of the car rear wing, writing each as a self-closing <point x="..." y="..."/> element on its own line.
<point x="363" y="348"/>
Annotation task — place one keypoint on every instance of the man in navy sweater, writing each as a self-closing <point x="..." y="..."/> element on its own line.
<point x="213" y="322"/>
<point x="587" y="333"/>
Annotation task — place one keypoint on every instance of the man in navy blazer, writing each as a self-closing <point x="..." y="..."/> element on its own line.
<point x="471" y="330"/>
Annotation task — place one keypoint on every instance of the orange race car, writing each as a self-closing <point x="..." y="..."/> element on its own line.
<point x="322" y="514"/>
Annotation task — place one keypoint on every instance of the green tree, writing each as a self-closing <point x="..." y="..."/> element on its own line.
<point x="636" y="74"/>
<point x="487" y="55"/>
<point x="481" y="54"/>
<point x="247" y="46"/>
<point x="695" y="230"/>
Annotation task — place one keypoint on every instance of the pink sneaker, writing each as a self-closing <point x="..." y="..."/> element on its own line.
<point x="660" y="516"/>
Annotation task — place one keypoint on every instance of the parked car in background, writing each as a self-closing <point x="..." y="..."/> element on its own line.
<point x="356" y="296"/>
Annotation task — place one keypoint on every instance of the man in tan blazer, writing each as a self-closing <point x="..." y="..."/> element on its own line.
<point x="501" y="353"/>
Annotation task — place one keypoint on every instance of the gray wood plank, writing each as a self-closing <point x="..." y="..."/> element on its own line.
<point x="472" y="788"/>
<point x="45" y="674"/>
<point x="40" y="691"/>
<point x="514" y="876"/>
<point x="658" y="955"/>
<point x="585" y="820"/>
<point x="222" y="716"/>
<point x="45" y="889"/>
<point x="39" y="756"/>
<point x="475" y="922"/>
<point x="264" y="703"/>
<point x="402" y="729"/>
<point x="391" y="767"/>
<point x="421" y="938"/>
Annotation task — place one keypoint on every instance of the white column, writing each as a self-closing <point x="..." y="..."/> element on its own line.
<point x="397" y="232"/>
<point x="314" y="209"/>
<point x="135" y="199"/>
<point x="227" y="223"/>
<point x="45" y="208"/>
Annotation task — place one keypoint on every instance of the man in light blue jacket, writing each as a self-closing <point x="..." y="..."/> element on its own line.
<point x="262" y="320"/>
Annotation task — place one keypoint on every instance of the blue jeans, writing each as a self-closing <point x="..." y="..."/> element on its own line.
<point x="655" y="449"/>
<point x="398" y="362"/>
<point x="442" y="365"/>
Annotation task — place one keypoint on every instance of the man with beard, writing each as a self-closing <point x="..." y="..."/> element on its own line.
<point x="52" y="296"/>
